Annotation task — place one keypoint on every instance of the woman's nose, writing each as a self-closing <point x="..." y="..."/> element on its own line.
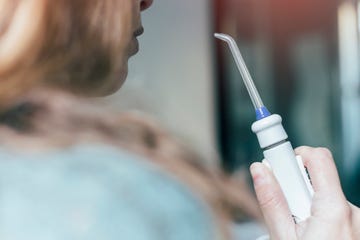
<point x="145" y="4"/>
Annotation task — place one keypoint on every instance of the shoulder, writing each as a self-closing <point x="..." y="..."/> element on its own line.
<point x="116" y="193"/>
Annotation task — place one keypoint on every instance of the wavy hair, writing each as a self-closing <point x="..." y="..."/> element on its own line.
<point x="71" y="44"/>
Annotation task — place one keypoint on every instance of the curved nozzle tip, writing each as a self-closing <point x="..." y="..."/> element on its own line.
<point x="223" y="37"/>
<point x="250" y="86"/>
<point x="229" y="40"/>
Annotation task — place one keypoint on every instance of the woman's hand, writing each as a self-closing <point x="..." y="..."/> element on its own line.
<point x="332" y="217"/>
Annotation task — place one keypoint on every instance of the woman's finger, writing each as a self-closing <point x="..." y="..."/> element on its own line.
<point x="329" y="202"/>
<point x="322" y="170"/>
<point x="355" y="215"/>
<point x="272" y="202"/>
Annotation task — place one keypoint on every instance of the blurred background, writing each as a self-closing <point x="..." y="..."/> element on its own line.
<point x="303" y="56"/>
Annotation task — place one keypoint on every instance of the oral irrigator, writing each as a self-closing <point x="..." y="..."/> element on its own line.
<point x="278" y="153"/>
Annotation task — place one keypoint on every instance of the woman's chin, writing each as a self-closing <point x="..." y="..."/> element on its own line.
<point x="113" y="84"/>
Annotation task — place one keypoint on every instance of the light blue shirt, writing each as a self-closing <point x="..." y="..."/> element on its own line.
<point x="95" y="193"/>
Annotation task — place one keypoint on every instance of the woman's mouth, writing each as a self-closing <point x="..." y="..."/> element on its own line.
<point x="139" y="31"/>
<point x="134" y="46"/>
<point x="135" y="42"/>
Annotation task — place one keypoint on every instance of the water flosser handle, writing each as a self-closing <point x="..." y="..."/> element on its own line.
<point x="286" y="166"/>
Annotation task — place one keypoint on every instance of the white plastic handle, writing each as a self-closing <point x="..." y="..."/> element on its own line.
<point x="305" y="175"/>
<point x="292" y="178"/>
<point x="302" y="170"/>
<point x="288" y="168"/>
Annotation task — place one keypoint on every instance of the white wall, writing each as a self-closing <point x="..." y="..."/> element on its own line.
<point x="171" y="77"/>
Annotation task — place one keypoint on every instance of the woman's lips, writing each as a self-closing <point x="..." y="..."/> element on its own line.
<point x="139" y="31"/>
<point x="135" y="42"/>
<point x="134" y="46"/>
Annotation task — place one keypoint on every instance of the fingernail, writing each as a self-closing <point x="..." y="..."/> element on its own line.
<point x="258" y="174"/>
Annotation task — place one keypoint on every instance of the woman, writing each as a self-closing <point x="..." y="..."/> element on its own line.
<point x="89" y="187"/>
<point x="62" y="177"/>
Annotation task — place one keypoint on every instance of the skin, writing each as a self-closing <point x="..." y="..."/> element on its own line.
<point x="130" y="12"/>
<point x="333" y="217"/>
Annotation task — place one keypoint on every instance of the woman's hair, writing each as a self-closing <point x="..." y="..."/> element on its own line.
<point x="63" y="43"/>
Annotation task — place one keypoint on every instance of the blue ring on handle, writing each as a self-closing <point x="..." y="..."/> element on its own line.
<point x="262" y="112"/>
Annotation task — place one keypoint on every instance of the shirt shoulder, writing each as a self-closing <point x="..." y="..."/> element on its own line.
<point x="96" y="192"/>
